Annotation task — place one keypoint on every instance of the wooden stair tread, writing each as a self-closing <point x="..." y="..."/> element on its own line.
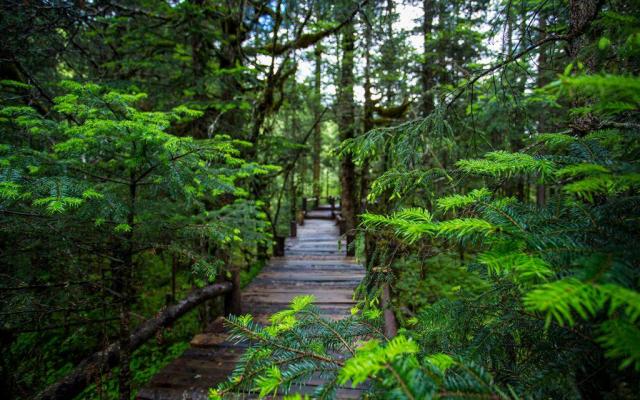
<point x="314" y="263"/>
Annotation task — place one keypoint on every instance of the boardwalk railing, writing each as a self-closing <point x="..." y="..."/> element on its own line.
<point x="314" y="265"/>
<point x="335" y="214"/>
<point x="315" y="201"/>
<point x="90" y="369"/>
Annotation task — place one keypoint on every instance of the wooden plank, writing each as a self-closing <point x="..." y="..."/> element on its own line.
<point x="313" y="275"/>
<point x="323" y="296"/>
<point x="314" y="263"/>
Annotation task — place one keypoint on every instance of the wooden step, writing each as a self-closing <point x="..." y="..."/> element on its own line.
<point x="314" y="263"/>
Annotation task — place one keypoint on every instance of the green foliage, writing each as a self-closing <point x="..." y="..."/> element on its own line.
<point x="465" y="228"/>
<point x="555" y="140"/>
<point x="617" y="93"/>
<point x="277" y="360"/>
<point x="440" y="276"/>
<point x="620" y="339"/>
<point x="456" y="202"/>
<point x="100" y="181"/>
<point x="508" y="250"/>
<point x="410" y="224"/>
<point x="561" y="277"/>
<point x="417" y="140"/>
<point x="560" y="298"/>
<point x="397" y="183"/>
<point x="371" y="358"/>
<point x="521" y="266"/>
<point x="502" y="164"/>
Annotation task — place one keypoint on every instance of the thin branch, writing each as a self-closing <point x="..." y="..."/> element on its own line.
<point x="102" y="178"/>
<point x="101" y="362"/>
<point x="508" y="60"/>
<point x="309" y="39"/>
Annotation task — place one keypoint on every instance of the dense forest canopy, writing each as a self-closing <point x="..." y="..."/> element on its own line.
<point x="484" y="154"/>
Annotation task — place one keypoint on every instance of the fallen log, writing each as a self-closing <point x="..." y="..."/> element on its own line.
<point x="89" y="369"/>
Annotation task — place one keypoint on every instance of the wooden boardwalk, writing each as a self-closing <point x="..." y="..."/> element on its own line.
<point x="314" y="263"/>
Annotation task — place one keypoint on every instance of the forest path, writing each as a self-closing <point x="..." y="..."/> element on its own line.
<point x="314" y="263"/>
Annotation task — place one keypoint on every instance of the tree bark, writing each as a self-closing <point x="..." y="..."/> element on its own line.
<point x="541" y="190"/>
<point x="581" y="15"/>
<point x="426" y="76"/>
<point x="390" y="323"/>
<point x="346" y="121"/>
<point x="93" y="366"/>
<point x="317" y="134"/>
<point x="441" y="50"/>
<point x="368" y="112"/>
<point x="125" y="278"/>
<point x="228" y="57"/>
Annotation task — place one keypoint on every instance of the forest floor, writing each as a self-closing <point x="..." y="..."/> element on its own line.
<point x="314" y="263"/>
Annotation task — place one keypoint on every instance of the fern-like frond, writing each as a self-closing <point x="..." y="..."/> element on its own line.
<point x="396" y="182"/>
<point x="458" y="201"/>
<point x="621" y="339"/>
<point x="561" y="298"/>
<point x="523" y="267"/>
<point x="615" y="93"/>
<point x="461" y="228"/>
<point x="408" y="224"/>
<point x="372" y="357"/>
<point x="602" y="184"/>
<point x="501" y="164"/>
<point x="555" y="140"/>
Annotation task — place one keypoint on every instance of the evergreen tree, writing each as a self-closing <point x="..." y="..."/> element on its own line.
<point x="484" y="153"/>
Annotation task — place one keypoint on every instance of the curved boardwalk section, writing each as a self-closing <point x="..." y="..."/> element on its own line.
<point x="314" y="263"/>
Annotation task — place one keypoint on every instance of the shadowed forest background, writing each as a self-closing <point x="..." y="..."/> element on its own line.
<point x="483" y="155"/>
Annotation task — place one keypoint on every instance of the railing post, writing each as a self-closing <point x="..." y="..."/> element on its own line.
<point x="278" y="247"/>
<point x="332" y="203"/>
<point x="233" y="298"/>
<point x="261" y="249"/>
<point x="390" y="323"/>
<point x="304" y="205"/>
<point x="174" y="272"/>
<point x="351" y="245"/>
<point x="293" y="229"/>
<point x="317" y="202"/>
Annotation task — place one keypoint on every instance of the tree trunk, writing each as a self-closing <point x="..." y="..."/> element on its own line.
<point x="199" y="128"/>
<point x="126" y="290"/>
<point x="441" y="50"/>
<point x="346" y="121"/>
<point x="541" y="190"/>
<point x="368" y="113"/>
<point x="317" y="133"/>
<point x="521" y="189"/>
<point x="391" y="48"/>
<point x="581" y="14"/>
<point x="293" y="193"/>
<point x="390" y="323"/>
<point x="426" y="76"/>
<point x="228" y="56"/>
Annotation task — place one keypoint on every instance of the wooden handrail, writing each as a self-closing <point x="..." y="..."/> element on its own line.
<point x="92" y="367"/>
